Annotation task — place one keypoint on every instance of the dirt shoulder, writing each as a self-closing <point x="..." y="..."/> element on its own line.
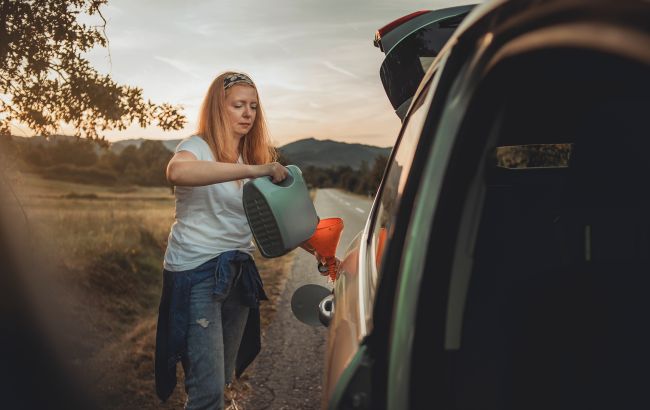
<point x="128" y="381"/>
<point x="102" y="252"/>
<point x="288" y="372"/>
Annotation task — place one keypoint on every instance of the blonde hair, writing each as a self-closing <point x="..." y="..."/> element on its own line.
<point x="214" y="127"/>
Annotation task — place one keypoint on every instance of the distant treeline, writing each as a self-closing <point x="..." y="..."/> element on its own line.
<point x="85" y="161"/>
<point x="364" y="181"/>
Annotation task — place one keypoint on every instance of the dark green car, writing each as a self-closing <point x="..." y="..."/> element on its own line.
<point x="506" y="259"/>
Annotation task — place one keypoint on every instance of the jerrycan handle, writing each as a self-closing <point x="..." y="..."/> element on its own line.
<point x="290" y="179"/>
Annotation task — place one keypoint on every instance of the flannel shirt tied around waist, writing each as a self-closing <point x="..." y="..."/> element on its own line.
<point x="173" y="313"/>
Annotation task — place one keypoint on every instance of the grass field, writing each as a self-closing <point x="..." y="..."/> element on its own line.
<point x="105" y="246"/>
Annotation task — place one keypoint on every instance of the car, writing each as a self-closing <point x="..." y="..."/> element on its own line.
<point x="505" y="260"/>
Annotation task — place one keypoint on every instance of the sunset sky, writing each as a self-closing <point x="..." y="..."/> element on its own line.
<point x="314" y="63"/>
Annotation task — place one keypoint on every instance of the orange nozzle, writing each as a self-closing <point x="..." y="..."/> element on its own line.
<point x="323" y="243"/>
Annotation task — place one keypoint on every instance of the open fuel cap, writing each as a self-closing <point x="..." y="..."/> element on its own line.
<point x="305" y="303"/>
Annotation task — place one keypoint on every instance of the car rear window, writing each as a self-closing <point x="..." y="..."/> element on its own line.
<point x="406" y="63"/>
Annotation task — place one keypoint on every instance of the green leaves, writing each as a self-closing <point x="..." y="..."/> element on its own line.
<point x="45" y="81"/>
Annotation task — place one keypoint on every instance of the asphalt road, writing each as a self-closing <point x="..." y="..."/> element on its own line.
<point x="288" y="372"/>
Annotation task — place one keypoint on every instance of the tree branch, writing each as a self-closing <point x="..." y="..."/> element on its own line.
<point x="57" y="68"/>
<point x="108" y="44"/>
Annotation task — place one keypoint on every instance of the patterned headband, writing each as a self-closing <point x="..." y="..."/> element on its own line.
<point x="236" y="78"/>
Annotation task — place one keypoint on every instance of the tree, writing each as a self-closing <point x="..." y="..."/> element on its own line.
<point x="45" y="80"/>
<point x="153" y="159"/>
<point x="8" y="150"/>
<point x="376" y="173"/>
<point x="80" y="153"/>
<point x="129" y="155"/>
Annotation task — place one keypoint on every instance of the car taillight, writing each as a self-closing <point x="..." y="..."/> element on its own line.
<point x="390" y="26"/>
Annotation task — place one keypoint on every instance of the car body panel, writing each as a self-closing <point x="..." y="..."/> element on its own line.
<point x="414" y="258"/>
<point x="347" y="327"/>
<point x="356" y="284"/>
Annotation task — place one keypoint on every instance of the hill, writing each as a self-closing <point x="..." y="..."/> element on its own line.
<point x="53" y="140"/>
<point x="305" y="152"/>
<point x="329" y="154"/>
<point x="118" y="146"/>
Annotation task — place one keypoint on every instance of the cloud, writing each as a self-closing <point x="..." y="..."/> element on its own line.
<point x="331" y="66"/>
<point x="180" y="65"/>
<point x="208" y="30"/>
<point x="313" y="61"/>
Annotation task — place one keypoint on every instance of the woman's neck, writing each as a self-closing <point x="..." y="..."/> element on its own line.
<point x="239" y="144"/>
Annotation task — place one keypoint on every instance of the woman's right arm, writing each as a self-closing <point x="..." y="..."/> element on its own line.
<point x="184" y="169"/>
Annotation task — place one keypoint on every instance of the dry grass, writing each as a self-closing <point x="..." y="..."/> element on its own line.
<point x="107" y="246"/>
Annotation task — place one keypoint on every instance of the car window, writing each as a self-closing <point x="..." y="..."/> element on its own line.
<point x="393" y="186"/>
<point x="406" y="63"/>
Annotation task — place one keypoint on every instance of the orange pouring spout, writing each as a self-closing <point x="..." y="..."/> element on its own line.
<point x="324" y="242"/>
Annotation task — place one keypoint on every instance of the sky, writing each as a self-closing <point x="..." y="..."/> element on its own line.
<point x="313" y="61"/>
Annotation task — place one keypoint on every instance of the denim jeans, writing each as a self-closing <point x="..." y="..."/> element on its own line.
<point x="215" y="331"/>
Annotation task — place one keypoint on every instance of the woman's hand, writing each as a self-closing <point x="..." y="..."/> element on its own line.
<point x="276" y="171"/>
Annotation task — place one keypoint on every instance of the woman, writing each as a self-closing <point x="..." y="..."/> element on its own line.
<point x="211" y="288"/>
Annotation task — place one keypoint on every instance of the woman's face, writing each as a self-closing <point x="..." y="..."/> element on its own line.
<point x="241" y="106"/>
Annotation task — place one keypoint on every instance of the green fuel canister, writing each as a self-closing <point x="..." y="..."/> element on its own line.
<point x="281" y="216"/>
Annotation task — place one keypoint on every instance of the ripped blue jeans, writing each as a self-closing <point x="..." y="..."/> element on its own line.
<point x="216" y="326"/>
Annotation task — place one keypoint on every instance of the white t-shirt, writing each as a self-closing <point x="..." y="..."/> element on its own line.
<point x="209" y="219"/>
